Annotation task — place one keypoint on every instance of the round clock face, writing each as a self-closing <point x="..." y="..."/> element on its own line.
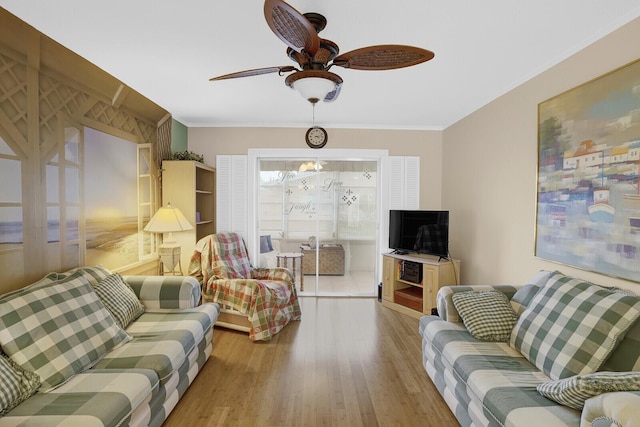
<point x="316" y="137"/>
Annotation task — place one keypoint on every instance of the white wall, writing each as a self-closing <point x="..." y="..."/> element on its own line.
<point x="490" y="163"/>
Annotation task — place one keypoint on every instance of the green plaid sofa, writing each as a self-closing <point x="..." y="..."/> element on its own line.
<point x="488" y="383"/>
<point x="136" y="381"/>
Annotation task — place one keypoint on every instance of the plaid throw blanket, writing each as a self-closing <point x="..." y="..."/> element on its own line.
<point x="266" y="295"/>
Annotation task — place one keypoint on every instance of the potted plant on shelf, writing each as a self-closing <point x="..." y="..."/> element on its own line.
<point x="188" y="155"/>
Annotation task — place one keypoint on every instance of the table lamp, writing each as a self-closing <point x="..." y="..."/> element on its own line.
<point x="167" y="220"/>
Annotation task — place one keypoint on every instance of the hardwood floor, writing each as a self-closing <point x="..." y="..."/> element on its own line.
<point x="348" y="362"/>
<point x="352" y="283"/>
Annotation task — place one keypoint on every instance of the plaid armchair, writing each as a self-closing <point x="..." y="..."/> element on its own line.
<point x="267" y="296"/>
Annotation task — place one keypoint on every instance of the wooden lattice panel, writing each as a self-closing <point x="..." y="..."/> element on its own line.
<point x="13" y="93"/>
<point x="163" y="144"/>
<point x="109" y="115"/>
<point x="147" y="131"/>
<point x="56" y="97"/>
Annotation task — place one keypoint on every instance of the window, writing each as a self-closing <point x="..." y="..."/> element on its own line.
<point x="334" y="199"/>
<point x="11" y="230"/>
<point x="64" y="198"/>
<point x="119" y="193"/>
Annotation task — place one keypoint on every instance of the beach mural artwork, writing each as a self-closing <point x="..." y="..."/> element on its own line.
<point x="588" y="198"/>
<point x="110" y="230"/>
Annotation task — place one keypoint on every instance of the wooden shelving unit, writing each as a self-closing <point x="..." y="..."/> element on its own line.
<point x="408" y="297"/>
<point x="191" y="187"/>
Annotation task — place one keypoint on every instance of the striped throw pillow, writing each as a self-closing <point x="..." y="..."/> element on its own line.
<point x="574" y="391"/>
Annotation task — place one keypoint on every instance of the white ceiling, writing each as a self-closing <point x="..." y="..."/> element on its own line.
<point x="168" y="50"/>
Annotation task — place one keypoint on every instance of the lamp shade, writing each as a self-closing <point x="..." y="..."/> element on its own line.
<point x="313" y="85"/>
<point x="314" y="88"/>
<point x="167" y="220"/>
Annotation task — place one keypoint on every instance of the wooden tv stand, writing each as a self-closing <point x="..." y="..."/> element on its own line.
<point x="408" y="297"/>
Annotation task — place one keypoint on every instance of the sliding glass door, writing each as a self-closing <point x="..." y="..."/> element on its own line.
<point x="319" y="215"/>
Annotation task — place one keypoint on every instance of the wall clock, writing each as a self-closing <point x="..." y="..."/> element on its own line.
<point x="316" y="137"/>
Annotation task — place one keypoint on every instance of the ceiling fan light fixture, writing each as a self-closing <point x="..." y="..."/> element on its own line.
<point x="314" y="55"/>
<point x="313" y="89"/>
<point x="309" y="166"/>
<point x="313" y="85"/>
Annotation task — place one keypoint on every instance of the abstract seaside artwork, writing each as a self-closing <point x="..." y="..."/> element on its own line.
<point x="588" y="195"/>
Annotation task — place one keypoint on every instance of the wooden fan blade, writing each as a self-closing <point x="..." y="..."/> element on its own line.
<point x="291" y="26"/>
<point x="333" y="95"/>
<point x="255" y="72"/>
<point x="383" y="57"/>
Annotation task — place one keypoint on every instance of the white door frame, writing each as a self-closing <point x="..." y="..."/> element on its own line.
<point x="381" y="156"/>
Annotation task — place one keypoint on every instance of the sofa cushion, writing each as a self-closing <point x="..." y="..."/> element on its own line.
<point x="265" y="244"/>
<point x="487" y="315"/>
<point x="571" y="326"/>
<point x="166" y="292"/>
<point x="162" y="340"/>
<point x="492" y="383"/>
<point x="574" y="391"/>
<point x="94" y="274"/>
<point x="119" y="299"/>
<point x="626" y="357"/>
<point x="57" y="329"/>
<point x="523" y="296"/>
<point x="16" y="384"/>
<point x="94" y="398"/>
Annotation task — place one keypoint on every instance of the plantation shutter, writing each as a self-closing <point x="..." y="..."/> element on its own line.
<point x="231" y="194"/>
<point x="404" y="182"/>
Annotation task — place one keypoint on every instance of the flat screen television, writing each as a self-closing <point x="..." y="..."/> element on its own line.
<point x="422" y="232"/>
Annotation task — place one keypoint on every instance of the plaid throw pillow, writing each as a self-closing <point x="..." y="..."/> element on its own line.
<point x="574" y="391"/>
<point x="57" y="329"/>
<point x="16" y="384"/>
<point x="487" y="315"/>
<point x="94" y="274"/>
<point x="118" y="297"/>
<point x="570" y="327"/>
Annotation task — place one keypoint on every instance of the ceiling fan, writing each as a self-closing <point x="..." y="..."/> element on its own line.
<point x="315" y="56"/>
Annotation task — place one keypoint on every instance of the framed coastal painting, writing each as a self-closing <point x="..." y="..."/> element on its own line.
<point x="588" y="195"/>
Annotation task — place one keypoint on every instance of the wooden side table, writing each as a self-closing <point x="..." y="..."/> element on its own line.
<point x="283" y="261"/>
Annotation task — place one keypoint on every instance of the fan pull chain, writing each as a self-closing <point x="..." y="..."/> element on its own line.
<point x="313" y="117"/>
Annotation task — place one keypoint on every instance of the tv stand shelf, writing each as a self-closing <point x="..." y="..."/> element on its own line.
<point x="416" y="299"/>
<point x="414" y="285"/>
